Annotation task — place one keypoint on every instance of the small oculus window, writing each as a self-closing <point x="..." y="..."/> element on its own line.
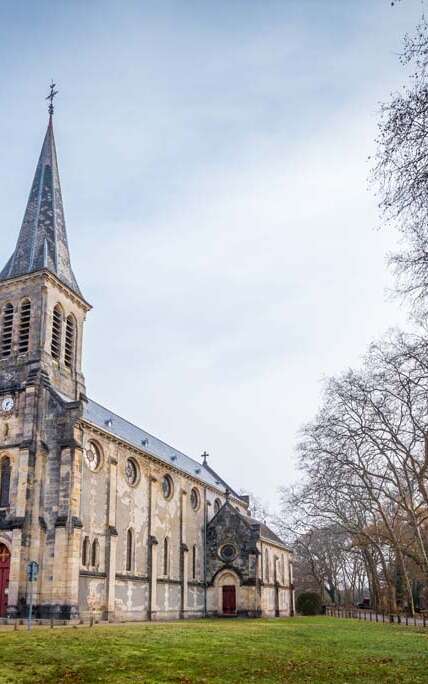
<point x="167" y="487"/>
<point x="131" y="472"/>
<point x="194" y="499"/>
<point x="93" y="456"/>
<point x="228" y="552"/>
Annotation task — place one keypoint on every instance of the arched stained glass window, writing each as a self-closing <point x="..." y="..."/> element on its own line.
<point x="129" y="549"/>
<point x="85" y="552"/>
<point x="194" y="562"/>
<point x="4" y="482"/>
<point x="165" y="556"/>
<point x="95" y="554"/>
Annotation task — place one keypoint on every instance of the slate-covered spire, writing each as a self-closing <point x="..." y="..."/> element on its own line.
<point x="42" y="241"/>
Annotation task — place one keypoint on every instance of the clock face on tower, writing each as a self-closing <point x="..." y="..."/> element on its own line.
<point x="7" y="404"/>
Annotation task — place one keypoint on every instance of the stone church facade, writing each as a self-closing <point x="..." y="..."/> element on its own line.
<point x="122" y="525"/>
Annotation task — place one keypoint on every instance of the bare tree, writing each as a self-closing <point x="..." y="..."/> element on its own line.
<point x="365" y="464"/>
<point x="401" y="170"/>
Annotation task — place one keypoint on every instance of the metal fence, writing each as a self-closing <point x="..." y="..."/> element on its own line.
<point x="365" y="614"/>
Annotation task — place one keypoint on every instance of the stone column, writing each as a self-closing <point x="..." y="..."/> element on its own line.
<point x="112" y="541"/>
<point x="38" y="531"/>
<point x="153" y="575"/>
<point x="65" y="590"/>
<point x="183" y="554"/>
<point x="18" y="553"/>
<point x="152" y="556"/>
<point x="15" y="567"/>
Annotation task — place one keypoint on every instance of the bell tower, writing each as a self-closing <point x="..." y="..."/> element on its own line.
<point x="42" y="394"/>
<point x="42" y="310"/>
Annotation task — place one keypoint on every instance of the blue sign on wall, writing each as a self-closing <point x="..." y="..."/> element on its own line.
<point x="32" y="571"/>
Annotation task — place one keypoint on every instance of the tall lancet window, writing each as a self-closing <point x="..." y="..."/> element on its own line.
<point x="165" y="556"/>
<point x="70" y="334"/>
<point x="4" y="482"/>
<point x="56" y="333"/>
<point x="194" y="562"/>
<point x="129" y="549"/>
<point x="7" y="330"/>
<point x="24" y="326"/>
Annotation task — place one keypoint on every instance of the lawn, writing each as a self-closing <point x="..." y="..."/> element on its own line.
<point x="283" y="650"/>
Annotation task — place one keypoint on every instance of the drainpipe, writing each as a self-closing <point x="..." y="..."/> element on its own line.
<point x="149" y="549"/>
<point x="205" y="550"/>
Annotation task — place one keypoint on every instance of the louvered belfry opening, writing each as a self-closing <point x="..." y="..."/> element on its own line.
<point x="7" y="331"/>
<point x="69" y="341"/>
<point x="24" y="326"/>
<point x="56" y="333"/>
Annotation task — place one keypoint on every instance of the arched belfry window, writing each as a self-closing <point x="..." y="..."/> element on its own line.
<point x="56" y="333"/>
<point x="4" y="482"/>
<point x="129" y="549"/>
<point x="95" y="553"/>
<point x="85" y="552"/>
<point x="165" y="556"/>
<point x="70" y="335"/>
<point x="24" y="326"/>
<point x="7" y="330"/>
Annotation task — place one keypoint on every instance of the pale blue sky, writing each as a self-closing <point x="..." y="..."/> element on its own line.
<point x="213" y="159"/>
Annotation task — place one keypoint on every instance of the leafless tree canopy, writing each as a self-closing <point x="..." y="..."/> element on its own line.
<point x="400" y="175"/>
<point x="364" y="464"/>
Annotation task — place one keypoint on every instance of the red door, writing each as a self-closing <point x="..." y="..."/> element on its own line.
<point x="4" y="578"/>
<point x="229" y="600"/>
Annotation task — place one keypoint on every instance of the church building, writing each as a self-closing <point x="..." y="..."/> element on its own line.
<point x="122" y="525"/>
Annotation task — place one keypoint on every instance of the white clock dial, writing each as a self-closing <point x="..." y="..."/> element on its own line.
<point x="7" y="404"/>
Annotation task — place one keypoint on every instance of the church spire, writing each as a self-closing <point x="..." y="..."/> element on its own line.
<point x="42" y="241"/>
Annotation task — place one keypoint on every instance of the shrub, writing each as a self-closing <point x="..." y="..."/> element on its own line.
<point x="308" y="603"/>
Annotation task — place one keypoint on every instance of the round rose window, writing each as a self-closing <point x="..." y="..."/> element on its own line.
<point x="194" y="499"/>
<point x="131" y="471"/>
<point x="92" y="456"/>
<point x="228" y="552"/>
<point x="167" y="487"/>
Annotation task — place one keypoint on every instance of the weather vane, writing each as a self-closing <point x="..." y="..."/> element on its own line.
<point x="51" y="96"/>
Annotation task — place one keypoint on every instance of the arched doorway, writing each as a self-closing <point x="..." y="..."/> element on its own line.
<point x="4" y="578"/>
<point x="227" y="587"/>
<point x="229" y="599"/>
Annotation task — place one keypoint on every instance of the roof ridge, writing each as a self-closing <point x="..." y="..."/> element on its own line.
<point x="147" y="433"/>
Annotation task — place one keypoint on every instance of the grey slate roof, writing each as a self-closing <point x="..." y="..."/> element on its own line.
<point x="119" y="427"/>
<point x="42" y="241"/>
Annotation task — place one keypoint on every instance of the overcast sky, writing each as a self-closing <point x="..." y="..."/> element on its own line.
<point x="213" y="159"/>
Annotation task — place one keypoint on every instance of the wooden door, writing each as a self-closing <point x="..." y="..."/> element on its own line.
<point x="4" y="578"/>
<point x="229" y="600"/>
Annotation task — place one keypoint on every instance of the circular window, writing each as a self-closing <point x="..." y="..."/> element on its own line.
<point x="93" y="456"/>
<point x="131" y="472"/>
<point x="217" y="506"/>
<point x="228" y="552"/>
<point x="167" y="487"/>
<point x="194" y="499"/>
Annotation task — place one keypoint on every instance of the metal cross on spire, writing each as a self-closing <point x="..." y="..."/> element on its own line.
<point x="51" y="96"/>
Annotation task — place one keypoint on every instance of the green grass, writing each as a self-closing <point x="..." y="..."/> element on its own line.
<point x="217" y="651"/>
